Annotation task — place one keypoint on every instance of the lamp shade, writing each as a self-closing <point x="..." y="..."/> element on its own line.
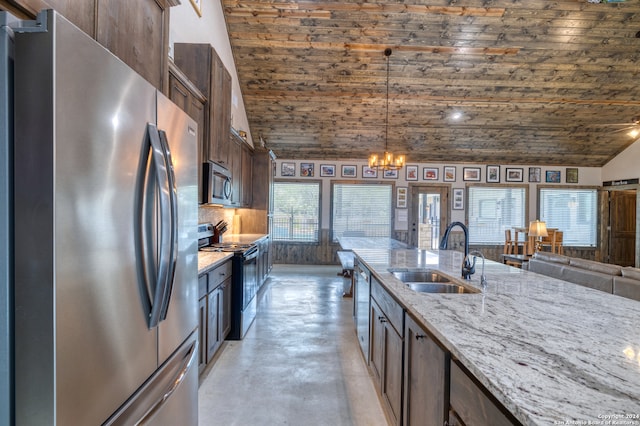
<point x="537" y="229"/>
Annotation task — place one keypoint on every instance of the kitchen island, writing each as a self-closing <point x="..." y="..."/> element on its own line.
<point x="550" y="352"/>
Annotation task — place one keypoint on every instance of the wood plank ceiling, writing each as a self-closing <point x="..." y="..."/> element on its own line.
<point x="532" y="81"/>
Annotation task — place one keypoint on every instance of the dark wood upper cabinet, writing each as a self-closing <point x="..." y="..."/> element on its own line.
<point x="205" y="69"/>
<point x="136" y="31"/>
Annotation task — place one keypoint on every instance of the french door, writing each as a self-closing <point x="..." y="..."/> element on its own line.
<point x="428" y="215"/>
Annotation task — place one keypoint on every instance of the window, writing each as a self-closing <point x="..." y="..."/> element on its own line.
<point x="572" y="211"/>
<point x="296" y="211"/>
<point x="361" y="210"/>
<point x="492" y="210"/>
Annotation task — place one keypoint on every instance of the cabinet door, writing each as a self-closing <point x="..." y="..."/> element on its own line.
<point x="425" y="365"/>
<point x="376" y="346"/>
<point x="213" y="329"/>
<point x="391" y="380"/>
<point x="247" y="169"/>
<point x="202" y="334"/>
<point x="137" y="32"/>
<point x="225" y="306"/>
<point x="220" y="104"/>
<point x="235" y="160"/>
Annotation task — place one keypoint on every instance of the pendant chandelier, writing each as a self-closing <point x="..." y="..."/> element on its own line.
<point x="387" y="161"/>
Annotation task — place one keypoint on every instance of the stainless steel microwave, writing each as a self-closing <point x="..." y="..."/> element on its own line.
<point x="217" y="184"/>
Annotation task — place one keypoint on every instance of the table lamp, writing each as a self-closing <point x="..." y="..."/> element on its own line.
<point x="538" y="229"/>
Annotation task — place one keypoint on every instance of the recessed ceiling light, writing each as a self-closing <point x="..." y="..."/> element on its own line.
<point x="456" y="116"/>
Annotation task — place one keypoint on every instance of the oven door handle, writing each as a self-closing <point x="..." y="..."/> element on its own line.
<point x="250" y="253"/>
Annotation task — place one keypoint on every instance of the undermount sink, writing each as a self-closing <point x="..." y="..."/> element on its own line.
<point x="427" y="276"/>
<point x="430" y="281"/>
<point x="432" y="287"/>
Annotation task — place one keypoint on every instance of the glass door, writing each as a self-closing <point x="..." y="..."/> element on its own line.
<point x="428" y="215"/>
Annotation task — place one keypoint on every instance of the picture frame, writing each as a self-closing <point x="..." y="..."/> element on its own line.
<point x="197" y="5"/>
<point x="471" y="174"/>
<point x="429" y="173"/>
<point x="493" y="174"/>
<point x="287" y="169"/>
<point x="369" y="173"/>
<point x="349" y="170"/>
<point x="449" y="174"/>
<point x="306" y="169"/>
<point x="401" y="197"/>
<point x="327" y="170"/>
<point x="411" y="173"/>
<point x="390" y="174"/>
<point x="514" y="175"/>
<point x="534" y="174"/>
<point x="571" y="175"/>
<point x="552" y="176"/>
<point x="457" y="201"/>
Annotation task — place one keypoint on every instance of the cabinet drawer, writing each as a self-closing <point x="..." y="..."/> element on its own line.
<point x="391" y="309"/>
<point x="471" y="403"/>
<point x="202" y="285"/>
<point x="219" y="274"/>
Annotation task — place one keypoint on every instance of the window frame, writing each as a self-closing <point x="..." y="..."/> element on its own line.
<point x="576" y="188"/>
<point x="318" y="182"/>
<point x="333" y="182"/>
<point x="467" y="188"/>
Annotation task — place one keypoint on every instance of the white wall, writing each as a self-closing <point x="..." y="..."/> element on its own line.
<point x="187" y="27"/>
<point x="587" y="176"/>
<point x="625" y="165"/>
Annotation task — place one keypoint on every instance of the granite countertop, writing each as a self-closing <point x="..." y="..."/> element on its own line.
<point x="351" y="243"/>
<point x="550" y="351"/>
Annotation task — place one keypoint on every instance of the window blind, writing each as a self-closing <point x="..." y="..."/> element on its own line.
<point x="296" y="211"/>
<point x="361" y="210"/>
<point x="572" y="211"/>
<point x="492" y="210"/>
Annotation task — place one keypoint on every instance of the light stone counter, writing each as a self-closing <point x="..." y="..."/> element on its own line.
<point x="208" y="260"/>
<point x="551" y="352"/>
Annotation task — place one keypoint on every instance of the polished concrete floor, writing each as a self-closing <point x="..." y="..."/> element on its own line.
<point x="300" y="363"/>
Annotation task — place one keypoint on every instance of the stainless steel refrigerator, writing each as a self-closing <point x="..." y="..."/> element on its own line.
<point x="105" y="211"/>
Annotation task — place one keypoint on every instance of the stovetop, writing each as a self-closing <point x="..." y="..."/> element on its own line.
<point x="231" y="246"/>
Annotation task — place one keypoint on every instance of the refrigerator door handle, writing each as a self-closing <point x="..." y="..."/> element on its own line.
<point x="177" y="380"/>
<point x="173" y="224"/>
<point x="158" y="157"/>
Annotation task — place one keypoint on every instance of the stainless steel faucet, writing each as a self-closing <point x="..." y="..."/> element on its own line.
<point x="467" y="268"/>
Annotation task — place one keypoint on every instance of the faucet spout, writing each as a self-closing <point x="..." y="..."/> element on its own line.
<point x="483" y="278"/>
<point x="467" y="268"/>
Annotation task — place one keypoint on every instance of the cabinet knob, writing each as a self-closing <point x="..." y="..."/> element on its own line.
<point x="382" y="319"/>
<point x="420" y="336"/>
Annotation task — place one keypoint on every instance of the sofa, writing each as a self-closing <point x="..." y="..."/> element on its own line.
<point x="619" y="280"/>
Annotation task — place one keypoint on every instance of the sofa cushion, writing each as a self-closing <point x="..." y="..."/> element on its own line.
<point x="591" y="265"/>
<point x="626" y="287"/>
<point x="588" y="278"/>
<point x="631" y="273"/>
<point x="551" y="257"/>
<point x="550" y="269"/>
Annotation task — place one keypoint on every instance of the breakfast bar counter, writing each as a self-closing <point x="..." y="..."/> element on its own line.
<point x="549" y="351"/>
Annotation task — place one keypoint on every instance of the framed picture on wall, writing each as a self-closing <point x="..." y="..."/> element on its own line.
<point x="306" y="169"/>
<point x="471" y="174"/>
<point x="493" y="174"/>
<point x="457" y="202"/>
<point x="571" y="175"/>
<point x="513" y="175"/>
<point x="401" y="197"/>
<point x="390" y="174"/>
<point x="449" y="174"/>
<point x="412" y="173"/>
<point x="288" y="169"/>
<point x="430" y="173"/>
<point x="534" y="174"/>
<point x="369" y="173"/>
<point x="553" y="176"/>
<point x="327" y="170"/>
<point x="349" y="171"/>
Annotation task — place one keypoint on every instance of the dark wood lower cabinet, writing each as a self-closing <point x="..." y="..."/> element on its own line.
<point x="213" y="329"/>
<point x="426" y="388"/>
<point x="386" y="351"/>
<point x="471" y="405"/>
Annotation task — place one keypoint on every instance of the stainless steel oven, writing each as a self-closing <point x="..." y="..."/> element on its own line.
<point x="244" y="293"/>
